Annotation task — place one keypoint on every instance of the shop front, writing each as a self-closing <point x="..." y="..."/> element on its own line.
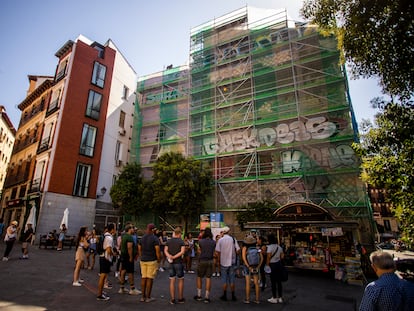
<point x="314" y="239"/>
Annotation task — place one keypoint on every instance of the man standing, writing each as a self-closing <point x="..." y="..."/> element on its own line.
<point x="128" y="257"/>
<point x="174" y="251"/>
<point x="227" y="250"/>
<point x="26" y="240"/>
<point x="149" y="249"/>
<point x="105" y="260"/>
<point x="205" y="265"/>
<point x="389" y="292"/>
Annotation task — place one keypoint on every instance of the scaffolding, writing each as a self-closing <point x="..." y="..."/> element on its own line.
<point x="265" y="102"/>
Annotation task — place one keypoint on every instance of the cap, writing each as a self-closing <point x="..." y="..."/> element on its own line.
<point x="225" y="229"/>
<point x="150" y="227"/>
<point x="14" y="222"/>
<point x="249" y="240"/>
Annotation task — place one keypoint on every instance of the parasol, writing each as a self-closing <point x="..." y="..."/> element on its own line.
<point x="65" y="218"/>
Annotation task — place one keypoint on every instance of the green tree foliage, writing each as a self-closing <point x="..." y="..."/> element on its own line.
<point x="375" y="36"/>
<point x="388" y="158"/>
<point x="128" y="191"/>
<point x="180" y="186"/>
<point x="258" y="211"/>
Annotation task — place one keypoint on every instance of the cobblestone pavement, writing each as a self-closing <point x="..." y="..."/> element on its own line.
<point x="44" y="282"/>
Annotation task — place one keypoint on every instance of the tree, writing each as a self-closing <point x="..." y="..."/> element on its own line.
<point x="258" y="211"/>
<point x="376" y="38"/>
<point x="388" y="159"/>
<point x="180" y="185"/>
<point x="128" y="191"/>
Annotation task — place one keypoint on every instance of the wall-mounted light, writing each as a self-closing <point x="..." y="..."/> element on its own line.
<point x="102" y="192"/>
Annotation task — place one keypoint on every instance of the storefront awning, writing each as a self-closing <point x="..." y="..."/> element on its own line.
<point x="291" y="223"/>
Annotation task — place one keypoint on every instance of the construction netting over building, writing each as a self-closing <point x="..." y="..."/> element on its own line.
<point x="265" y="102"/>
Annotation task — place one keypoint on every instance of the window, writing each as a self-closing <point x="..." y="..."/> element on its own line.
<point x="54" y="103"/>
<point x="87" y="145"/>
<point x="100" y="50"/>
<point x="83" y="174"/>
<point x="122" y="119"/>
<point x="98" y="75"/>
<point x="117" y="151"/>
<point x="61" y="70"/>
<point x="94" y="105"/>
<point x="125" y="92"/>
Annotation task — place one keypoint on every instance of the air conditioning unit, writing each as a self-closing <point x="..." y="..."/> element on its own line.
<point x="122" y="132"/>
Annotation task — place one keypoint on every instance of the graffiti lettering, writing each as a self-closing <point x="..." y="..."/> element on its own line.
<point x="328" y="157"/>
<point x="315" y="128"/>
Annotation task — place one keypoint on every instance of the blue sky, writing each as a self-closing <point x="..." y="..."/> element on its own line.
<point x="150" y="34"/>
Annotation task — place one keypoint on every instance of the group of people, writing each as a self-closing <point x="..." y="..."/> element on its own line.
<point x="224" y="252"/>
<point x="10" y="236"/>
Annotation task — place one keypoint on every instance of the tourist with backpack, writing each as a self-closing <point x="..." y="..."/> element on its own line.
<point x="252" y="259"/>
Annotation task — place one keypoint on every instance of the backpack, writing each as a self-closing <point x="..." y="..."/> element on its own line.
<point x="99" y="245"/>
<point x="253" y="256"/>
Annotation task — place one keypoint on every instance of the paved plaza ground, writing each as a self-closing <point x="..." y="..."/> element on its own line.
<point x="44" y="282"/>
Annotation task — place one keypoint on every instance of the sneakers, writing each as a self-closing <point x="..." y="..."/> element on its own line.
<point x="161" y="269"/>
<point x="198" y="298"/>
<point x="279" y="300"/>
<point x="5" y="259"/>
<point x="81" y="281"/>
<point x="123" y="290"/>
<point x="182" y="300"/>
<point x="108" y="286"/>
<point x="103" y="297"/>
<point x="246" y="301"/>
<point x="207" y="300"/>
<point x="273" y="300"/>
<point x="134" y="292"/>
<point x="76" y="284"/>
<point x="149" y="299"/>
<point x="214" y="275"/>
<point x="172" y="301"/>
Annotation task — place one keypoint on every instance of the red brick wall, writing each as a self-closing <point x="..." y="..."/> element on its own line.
<point x="73" y="117"/>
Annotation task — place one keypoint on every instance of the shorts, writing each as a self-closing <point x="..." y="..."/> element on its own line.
<point x="104" y="265"/>
<point x="205" y="269"/>
<point x="61" y="236"/>
<point x="176" y="270"/>
<point x="148" y="269"/>
<point x="127" y="265"/>
<point x="228" y="274"/>
<point x="250" y="272"/>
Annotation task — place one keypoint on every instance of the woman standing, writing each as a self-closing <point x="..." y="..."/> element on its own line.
<point x="61" y="237"/>
<point x="190" y="252"/>
<point x="216" y="263"/>
<point x="274" y="256"/>
<point x="10" y="238"/>
<point x="163" y="241"/>
<point x="81" y="247"/>
<point x="91" y="253"/>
